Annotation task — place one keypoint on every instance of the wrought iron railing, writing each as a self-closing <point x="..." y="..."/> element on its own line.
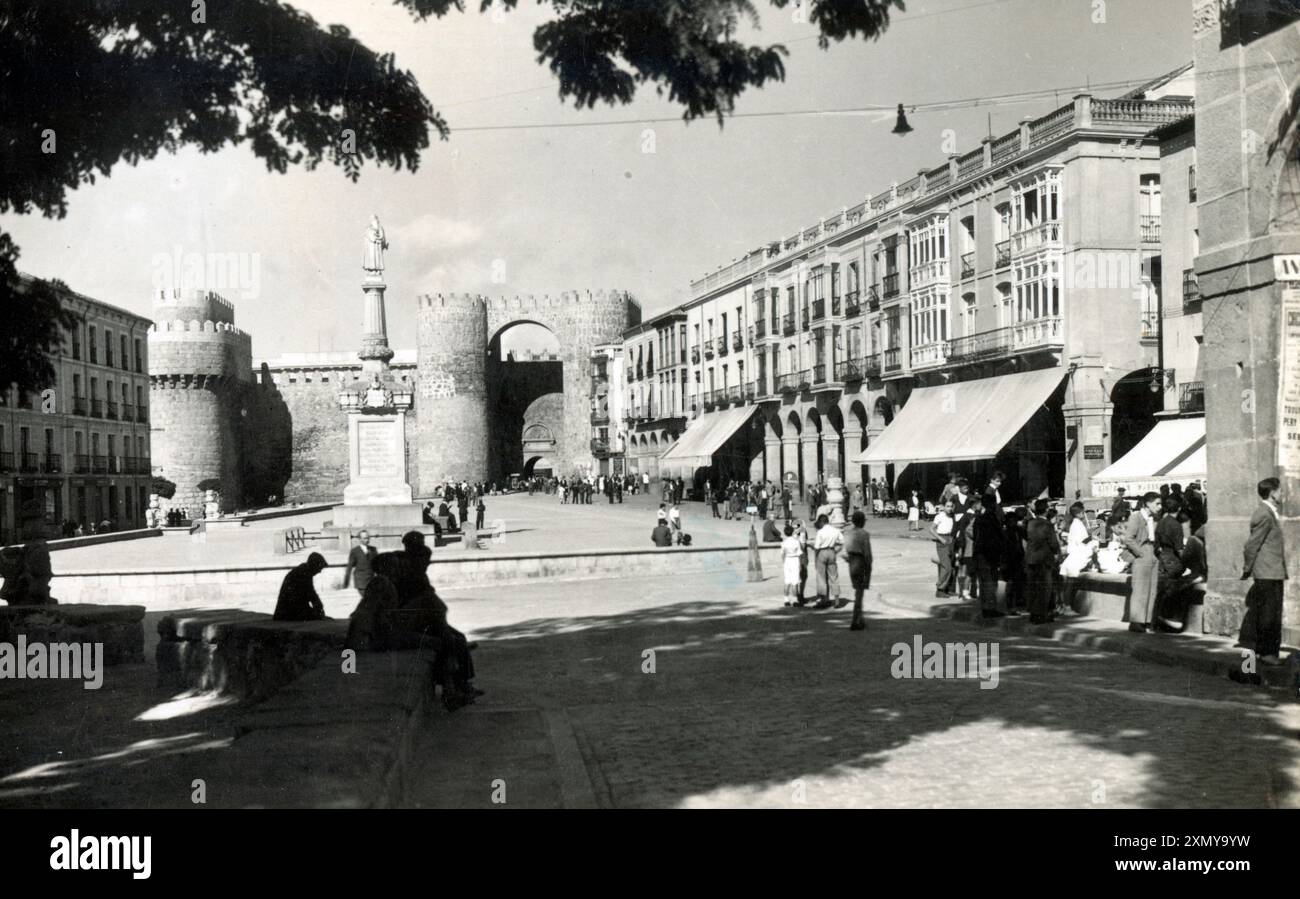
<point x="893" y="359"/>
<point x="852" y="304"/>
<point x="968" y="264"/>
<point x="787" y="383"/>
<point x="889" y="285"/>
<point x="1191" y="290"/>
<point x="818" y="310"/>
<point x="848" y="370"/>
<point x="1151" y="229"/>
<point x="79" y="405"/>
<point x="737" y="340"/>
<point x="1003" y="252"/>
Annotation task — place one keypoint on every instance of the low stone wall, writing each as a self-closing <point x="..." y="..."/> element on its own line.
<point x="119" y="628"/>
<point x="1100" y="595"/>
<point x="96" y="539"/>
<point x="162" y="588"/>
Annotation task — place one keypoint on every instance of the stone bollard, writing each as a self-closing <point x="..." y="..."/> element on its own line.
<point x="755" y="572"/>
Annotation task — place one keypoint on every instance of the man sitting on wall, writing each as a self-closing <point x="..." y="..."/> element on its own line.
<point x="298" y="600"/>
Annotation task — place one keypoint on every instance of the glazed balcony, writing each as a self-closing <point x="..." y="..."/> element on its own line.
<point x="933" y="272"/>
<point x="1191" y="291"/>
<point x="930" y="355"/>
<point x="893" y="360"/>
<point x="1038" y="237"/>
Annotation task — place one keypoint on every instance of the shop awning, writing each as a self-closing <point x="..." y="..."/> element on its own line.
<point x="705" y="436"/>
<point x="963" y="421"/>
<point x="1172" y="451"/>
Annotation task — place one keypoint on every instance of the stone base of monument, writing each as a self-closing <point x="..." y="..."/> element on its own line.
<point x="119" y="628"/>
<point x="242" y="654"/>
<point x="377" y="515"/>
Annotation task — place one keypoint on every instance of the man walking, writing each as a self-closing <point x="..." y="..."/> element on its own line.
<point x="360" y="565"/>
<point x="1139" y="538"/>
<point x="1265" y="561"/>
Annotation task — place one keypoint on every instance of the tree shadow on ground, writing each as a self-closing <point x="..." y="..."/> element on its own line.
<point x="744" y="702"/>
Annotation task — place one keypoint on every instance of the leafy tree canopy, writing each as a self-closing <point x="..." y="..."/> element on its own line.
<point x="85" y="84"/>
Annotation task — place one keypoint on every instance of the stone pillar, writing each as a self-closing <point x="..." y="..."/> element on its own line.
<point x="1087" y="412"/>
<point x="375" y="351"/>
<point x="852" y="444"/>
<point x="809" y="443"/>
<point x="790" y="458"/>
<point x="831" y="453"/>
<point x="772" y="459"/>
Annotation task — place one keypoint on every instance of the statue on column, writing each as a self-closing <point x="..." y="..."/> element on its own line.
<point x="376" y="243"/>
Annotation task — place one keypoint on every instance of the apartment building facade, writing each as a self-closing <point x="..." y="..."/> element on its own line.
<point x="1015" y="291"/>
<point x="79" y="450"/>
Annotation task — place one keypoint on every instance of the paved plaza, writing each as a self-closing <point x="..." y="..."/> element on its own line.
<point x="702" y="690"/>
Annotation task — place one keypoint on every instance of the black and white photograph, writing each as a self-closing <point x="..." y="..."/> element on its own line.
<point x="651" y="404"/>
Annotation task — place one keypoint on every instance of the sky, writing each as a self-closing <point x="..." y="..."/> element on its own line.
<point x="645" y="204"/>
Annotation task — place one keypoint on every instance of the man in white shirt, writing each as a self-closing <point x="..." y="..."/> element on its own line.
<point x="941" y="533"/>
<point x="675" y="522"/>
<point x="826" y="547"/>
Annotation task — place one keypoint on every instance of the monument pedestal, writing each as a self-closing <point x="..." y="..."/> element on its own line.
<point x="377" y="494"/>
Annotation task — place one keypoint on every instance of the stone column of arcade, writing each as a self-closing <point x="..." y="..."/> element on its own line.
<point x="852" y="471"/>
<point x="772" y="459"/>
<point x="378" y="496"/>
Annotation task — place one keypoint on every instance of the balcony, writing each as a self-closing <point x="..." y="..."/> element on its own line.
<point x="112" y="410"/>
<point x="980" y="346"/>
<point x="893" y="360"/>
<point x="96" y="408"/>
<point x="99" y="464"/>
<point x="29" y="463"/>
<point x="115" y="465"/>
<point x="835" y="306"/>
<point x="737" y="340"/>
<point x="753" y="390"/>
<point x="873" y="298"/>
<point x="871" y="365"/>
<point x="889" y="285"/>
<point x="788" y="324"/>
<point x="82" y="465"/>
<point x="600" y="416"/>
<point x="1003" y="252"/>
<point x="1037" y="237"/>
<point x="79" y="405"/>
<point x="928" y="355"/>
<point x="52" y="463"/>
<point x="760" y="329"/>
<point x="708" y="349"/>
<point x="933" y="272"/>
<point x="1192" y="397"/>
<point x="128" y="412"/>
<point x="6" y="461"/>
<point x="819" y="373"/>
<point x="1150" y="227"/>
<point x="788" y="383"/>
<point x="736" y="394"/>
<point x="818" y="311"/>
<point x="848" y="370"/>
<point x="852" y="306"/>
<point x="1191" y="291"/>
<point x="695" y="355"/>
<point x="722" y="345"/>
<point x="599" y="448"/>
<point x="806" y="323"/>
<point x="805" y="379"/>
<point x="968" y="265"/>
<point x="142" y="414"/>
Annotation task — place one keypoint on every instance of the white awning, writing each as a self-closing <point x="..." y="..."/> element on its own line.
<point x="1171" y="452"/>
<point x="963" y="421"/>
<point x="704" y="436"/>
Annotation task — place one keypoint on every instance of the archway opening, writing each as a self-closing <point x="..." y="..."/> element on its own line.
<point x="1135" y="405"/>
<point x="525" y="389"/>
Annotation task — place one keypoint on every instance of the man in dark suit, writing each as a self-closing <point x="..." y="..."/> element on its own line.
<point x="1042" y="550"/>
<point x="993" y="497"/>
<point x="298" y="600"/>
<point x="1169" y="555"/>
<point x="1265" y="561"/>
<point x="1139" y="538"/>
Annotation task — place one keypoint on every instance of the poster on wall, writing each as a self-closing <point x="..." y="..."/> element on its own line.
<point x="1288" y="394"/>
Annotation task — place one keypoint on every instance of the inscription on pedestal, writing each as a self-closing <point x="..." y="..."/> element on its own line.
<point x="378" y="449"/>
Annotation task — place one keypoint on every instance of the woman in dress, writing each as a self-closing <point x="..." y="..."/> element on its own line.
<point x="914" y="513"/>
<point x="792" y="564"/>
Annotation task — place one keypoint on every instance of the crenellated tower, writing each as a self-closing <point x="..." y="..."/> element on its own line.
<point x="200" y="369"/>
<point x="451" y="395"/>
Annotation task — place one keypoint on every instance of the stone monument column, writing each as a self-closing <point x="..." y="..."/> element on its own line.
<point x="377" y="494"/>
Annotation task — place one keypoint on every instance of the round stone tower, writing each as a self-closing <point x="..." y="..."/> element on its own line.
<point x="451" y="397"/>
<point x="200" y="367"/>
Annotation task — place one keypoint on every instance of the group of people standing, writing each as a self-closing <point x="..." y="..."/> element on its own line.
<point x="580" y="490"/>
<point x="821" y="553"/>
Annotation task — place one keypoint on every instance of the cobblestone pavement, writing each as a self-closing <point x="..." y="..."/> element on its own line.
<point x="750" y="704"/>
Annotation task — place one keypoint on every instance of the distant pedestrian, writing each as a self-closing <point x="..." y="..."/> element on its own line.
<point x="827" y="543"/>
<point x="941" y="533"/>
<point x="791" y="567"/>
<point x="479" y="509"/>
<point x="360" y="563"/>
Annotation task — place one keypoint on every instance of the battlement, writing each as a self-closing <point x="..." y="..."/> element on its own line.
<point x="528" y="301"/>
<point x="192" y="304"/>
<point x="195" y="325"/>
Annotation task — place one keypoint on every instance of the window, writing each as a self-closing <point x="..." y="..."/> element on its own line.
<point x="969" y="314"/>
<point x="108" y="348"/>
<point x="1038" y="289"/>
<point x="139" y="356"/>
<point x="126" y="360"/>
<point x="94" y="349"/>
<point x="681" y="340"/>
<point x="76" y="341"/>
<point x="1191" y="183"/>
<point x="1149" y="195"/>
<point x="1005" y="317"/>
<point x="1002" y="221"/>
